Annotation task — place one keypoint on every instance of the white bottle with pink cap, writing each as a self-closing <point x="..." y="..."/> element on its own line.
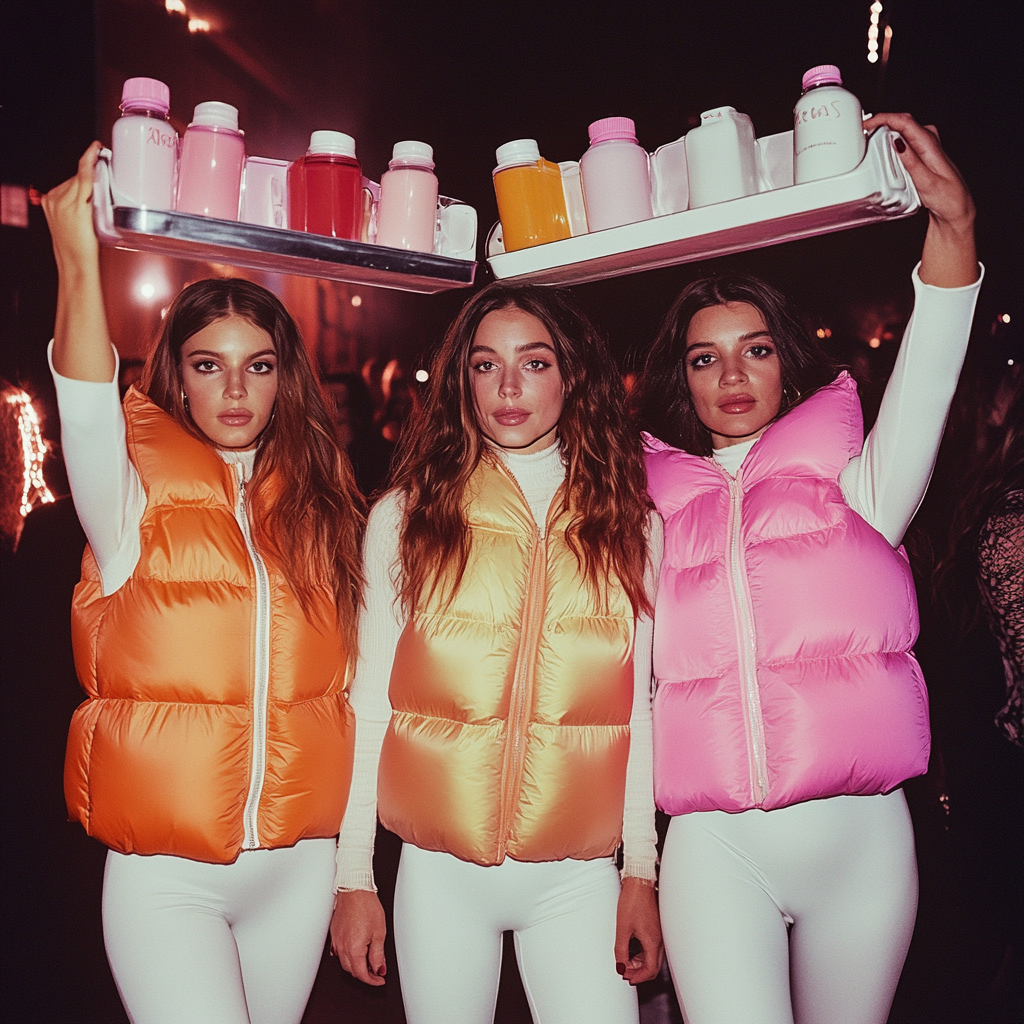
<point x="407" y="211"/>
<point x="145" y="146"/>
<point x="615" y="174"/>
<point x="212" y="158"/>
<point x="827" y="135"/>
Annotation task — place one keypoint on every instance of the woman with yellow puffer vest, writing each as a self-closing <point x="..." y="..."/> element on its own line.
<point x="503" y="684"/>
<point x="212" y="630"/>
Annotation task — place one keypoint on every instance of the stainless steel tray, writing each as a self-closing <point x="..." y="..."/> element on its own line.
<point x="272" y="249"/>
<point x="877" y="189"/>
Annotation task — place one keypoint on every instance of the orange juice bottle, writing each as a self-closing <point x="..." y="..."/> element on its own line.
<point x="531" y="204"/>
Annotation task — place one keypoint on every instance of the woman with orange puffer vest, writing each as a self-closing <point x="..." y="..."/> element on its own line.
<point x="789" y="705"/>
<point x="503" y="683"/>
<point x="213" y="630"/>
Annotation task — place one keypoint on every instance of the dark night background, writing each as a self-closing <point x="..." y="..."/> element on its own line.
<point x="467" y="77"/>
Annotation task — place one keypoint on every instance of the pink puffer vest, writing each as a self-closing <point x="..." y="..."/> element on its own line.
<point x="783" y="627"/>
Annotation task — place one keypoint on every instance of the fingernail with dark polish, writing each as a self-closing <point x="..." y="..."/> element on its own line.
<point x="901" y="146"/>
<point x="382" y="970"/>
<point x="621" y="968"/>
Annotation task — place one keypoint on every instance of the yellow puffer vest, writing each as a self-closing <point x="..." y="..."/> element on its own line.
<point x="217" y="717"/>
<point x="510" y="731"/>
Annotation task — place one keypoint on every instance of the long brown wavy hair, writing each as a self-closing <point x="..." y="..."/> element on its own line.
<point x="662" y="399"/>
<point x="441" y="447"/>
<point x="306" y="513"/>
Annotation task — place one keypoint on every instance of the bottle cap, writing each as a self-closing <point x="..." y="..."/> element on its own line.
<point x="333" y="143"/>
<point x="517" y="153"/>
<point x="145" y="94"/>
<point x="823" y="74"/>
<point x="412" y="154"/>
<point x="612" y="128"/>
<point x="214" y="114"/>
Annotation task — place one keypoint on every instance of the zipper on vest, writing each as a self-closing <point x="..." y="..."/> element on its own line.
<point x="521" y="698"/>
<point x="261" y="682"/>
<point x="746" y="642"/>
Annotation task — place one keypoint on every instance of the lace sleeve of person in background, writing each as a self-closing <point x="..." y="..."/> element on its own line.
<point x="1001" y="576"/>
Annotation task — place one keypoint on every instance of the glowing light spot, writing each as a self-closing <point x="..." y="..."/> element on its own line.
<point x="875" y="342"/>
<point x="820" y="332"/>
<point x="1005" y="318"/>
<point x="422" y="376"/>
<point x="357" y="300"/>
<point x="33" y="450"/>
<point x="876" y="13"/>
<point x="1009" y="362"/>
<point x="147" y="290"/>
<point x="198" y="25"/>
<point x="175" y="7"/>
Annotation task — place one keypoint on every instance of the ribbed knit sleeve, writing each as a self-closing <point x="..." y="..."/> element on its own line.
<point x="380" y="628"/>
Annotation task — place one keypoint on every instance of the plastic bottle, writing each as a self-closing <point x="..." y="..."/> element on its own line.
<point x="531" y="204"/>
<point x="721" y="158"/>
<point x="212" y="158"/>
<point x="827" y="135"/>
<point x="145" y="146"/>
<point x="616" y="176"/>
<point x="407" y="211"/>
<point x="325" y="188"/>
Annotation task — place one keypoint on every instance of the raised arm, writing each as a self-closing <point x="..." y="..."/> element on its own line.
<point x="81" y="340"/>
<point x="949" y="258"/>
<point x="106" y="488"/>
<point x="887" y="482"/>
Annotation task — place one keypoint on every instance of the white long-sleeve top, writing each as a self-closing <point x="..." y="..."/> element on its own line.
<point x="886" y="483"/>
<point x="539" y="475"/>
<point x="105" y="486"/>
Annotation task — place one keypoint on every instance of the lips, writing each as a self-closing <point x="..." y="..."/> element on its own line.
<point x="235" y="417"/>
<point x="737" y="405"/>
<point x="511" y="417"/>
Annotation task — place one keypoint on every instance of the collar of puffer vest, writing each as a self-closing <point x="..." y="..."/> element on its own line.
<point x="174" y="465"/>
<point x="817" y="439"/>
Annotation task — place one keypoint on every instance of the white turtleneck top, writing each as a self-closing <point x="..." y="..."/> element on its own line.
<point x="539" y="475"/>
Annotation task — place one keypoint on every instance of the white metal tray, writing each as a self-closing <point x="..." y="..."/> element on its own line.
<point x="272" y="249"/>
<point x="877" y="189"/>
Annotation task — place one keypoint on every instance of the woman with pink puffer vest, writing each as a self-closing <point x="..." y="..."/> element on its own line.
<point x="789" y="704"/>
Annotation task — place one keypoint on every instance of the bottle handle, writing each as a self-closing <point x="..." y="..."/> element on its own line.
<point x="370" y="200"/>
<point x="455" y="229"/>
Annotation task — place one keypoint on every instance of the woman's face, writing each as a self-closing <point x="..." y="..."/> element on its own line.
<point x="229" y="375"/>
<point x="733" y="372"/>
<point x="516" y="383"/>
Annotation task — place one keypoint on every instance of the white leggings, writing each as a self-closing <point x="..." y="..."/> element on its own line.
<point x="449" y="916"/>
<point x="802" y="914"/>
<point x="218" y="943"/>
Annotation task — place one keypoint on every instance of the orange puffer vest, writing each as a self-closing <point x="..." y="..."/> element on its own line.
<point x="217" y="717"/>
<point x="510" y="731"/>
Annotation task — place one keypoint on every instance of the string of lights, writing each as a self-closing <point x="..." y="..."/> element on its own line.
<point x="33" y="450"/>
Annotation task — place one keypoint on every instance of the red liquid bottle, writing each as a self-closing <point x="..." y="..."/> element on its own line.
<point x="325" y="188"/>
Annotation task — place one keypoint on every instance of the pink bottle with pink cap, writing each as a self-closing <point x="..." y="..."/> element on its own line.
<point x="616" y="176"/>
<point x="827" y="135"/>
<point x="212" y="158"/>
<point x="145" y="146"/>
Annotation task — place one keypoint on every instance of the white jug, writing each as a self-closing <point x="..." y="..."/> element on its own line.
<point x="720" y="157"/>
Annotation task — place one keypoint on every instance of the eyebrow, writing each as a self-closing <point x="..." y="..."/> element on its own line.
<point x="519" y="348"/>
<point x="749" y="336"/>
<point x="219" y="355"/>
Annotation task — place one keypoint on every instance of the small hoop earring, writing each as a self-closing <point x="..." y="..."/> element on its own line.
<point x="786" y="395"/>
<point x="184" y="399"/>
